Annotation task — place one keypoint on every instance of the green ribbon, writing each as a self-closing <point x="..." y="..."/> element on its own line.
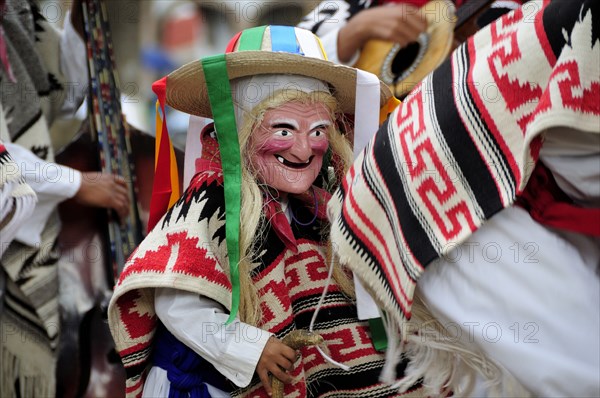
<point x="251" y="39"/>
<point x="378" y="334"/>
<point x="221" y="103"/>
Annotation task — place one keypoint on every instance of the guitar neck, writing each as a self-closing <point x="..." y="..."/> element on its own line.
<point x="111" y="131"/>
<point x="469" y="9"/>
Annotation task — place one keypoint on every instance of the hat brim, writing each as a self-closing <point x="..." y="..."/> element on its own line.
<point x="187" y="92"/>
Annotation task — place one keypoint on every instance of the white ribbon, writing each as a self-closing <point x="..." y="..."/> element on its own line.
<point x="366" y="123"/>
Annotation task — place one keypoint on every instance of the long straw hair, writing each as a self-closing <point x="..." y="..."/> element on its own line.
<point x="252" y="228"/>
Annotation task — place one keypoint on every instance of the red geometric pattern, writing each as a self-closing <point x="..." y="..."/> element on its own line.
<point x="372" y="232"/>
<point x="587" y="100"/>
<point x="196" y="262"/>
<point x="516" y="93"/>
<point x="423" y="163"/>
<point x="137" y="323"/>
<point x="573" y="94"/>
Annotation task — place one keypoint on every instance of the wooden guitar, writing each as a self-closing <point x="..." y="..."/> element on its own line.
<point x="403" y="67"/>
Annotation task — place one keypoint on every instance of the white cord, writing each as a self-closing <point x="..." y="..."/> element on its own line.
<point x="314" y="318"/>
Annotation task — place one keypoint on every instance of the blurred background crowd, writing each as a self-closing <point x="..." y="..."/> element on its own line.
<point x="153" y="38"/>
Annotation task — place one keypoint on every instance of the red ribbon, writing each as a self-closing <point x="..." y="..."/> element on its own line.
<point x="550" y="206"/>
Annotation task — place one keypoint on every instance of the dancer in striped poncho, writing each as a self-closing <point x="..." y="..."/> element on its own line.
<point x="479" y="198"/>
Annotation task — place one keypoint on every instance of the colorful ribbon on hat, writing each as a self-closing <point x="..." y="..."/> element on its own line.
<point x="165" y="188"/>
<point x="282" y="39"/>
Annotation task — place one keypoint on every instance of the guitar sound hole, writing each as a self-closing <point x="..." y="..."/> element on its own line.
<point x="405" y="58"/>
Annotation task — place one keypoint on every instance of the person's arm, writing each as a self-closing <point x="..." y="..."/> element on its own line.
<point x="235" y="350"/>
<point x="326" y="20"/>
<point x="346" y="26"/>
<point x="573" y="156"/>
<point x="398" y="23"/>
<point x="199" y="323"/>
<point x="54" y="183"/>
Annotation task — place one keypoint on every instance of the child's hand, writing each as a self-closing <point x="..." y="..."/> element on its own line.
<point x="276" y="359"/>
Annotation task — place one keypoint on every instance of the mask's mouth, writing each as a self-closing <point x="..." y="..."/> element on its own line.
<point x="294" y="165"/>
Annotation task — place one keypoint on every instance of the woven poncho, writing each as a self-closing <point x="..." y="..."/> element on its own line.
<point x="32" y="95"/>
<point x="18" y="199"/>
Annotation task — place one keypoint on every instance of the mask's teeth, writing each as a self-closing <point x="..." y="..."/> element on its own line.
<point x="280" y="159"/>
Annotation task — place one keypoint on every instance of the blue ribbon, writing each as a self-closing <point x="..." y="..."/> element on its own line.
<point x="187" y="371"/>
<point x="283" y="38"/>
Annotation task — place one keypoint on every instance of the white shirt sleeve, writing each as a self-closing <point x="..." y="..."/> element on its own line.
<point x="53" y="183"/>
<point x="573" y="156"/>
<point x="528" y="298"/>
<point x="501" y="290"/>
<point x="326" y="20"/>
<point x="199" y="323"/>
<point x="329" y="41"/>
<point x="73" y="65"/>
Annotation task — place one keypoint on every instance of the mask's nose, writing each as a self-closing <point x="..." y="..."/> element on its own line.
<point x="301" y="148"/>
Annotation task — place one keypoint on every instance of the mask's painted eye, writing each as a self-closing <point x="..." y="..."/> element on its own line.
<point x="283" y="133"/>
<point x="320" y="133"/>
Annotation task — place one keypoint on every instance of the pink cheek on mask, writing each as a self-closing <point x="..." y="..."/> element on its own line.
<point x="320" y="147"/>
<point x="274" y="146"/>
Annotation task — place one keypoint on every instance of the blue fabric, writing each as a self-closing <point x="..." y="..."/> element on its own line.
<point x="187" y="371"/>
<point x="283" y="38"/>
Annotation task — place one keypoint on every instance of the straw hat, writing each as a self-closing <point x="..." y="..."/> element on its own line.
<point x="267" y="50"/>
